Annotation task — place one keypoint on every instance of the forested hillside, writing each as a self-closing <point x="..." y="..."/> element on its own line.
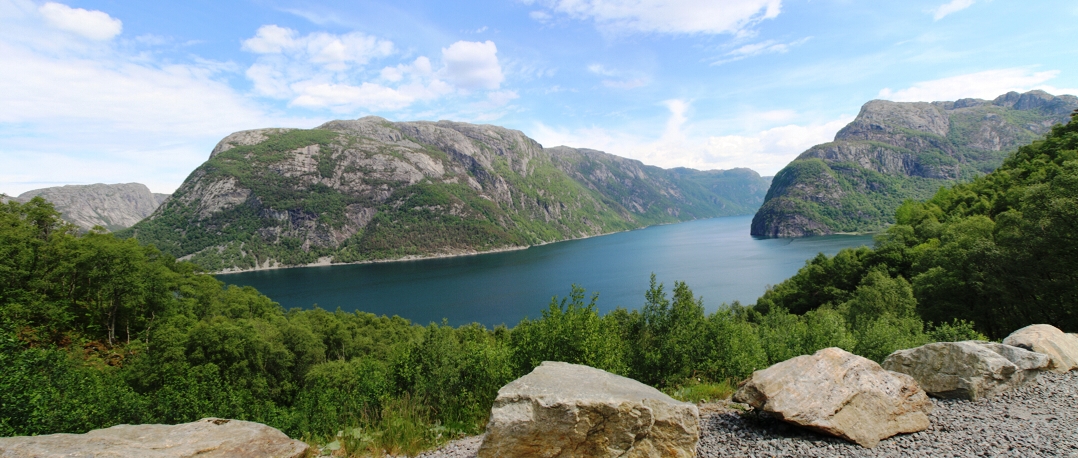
<point x="371" y="189"/>
<point x="1001" y="251"/>
<point x="895" y="151"/>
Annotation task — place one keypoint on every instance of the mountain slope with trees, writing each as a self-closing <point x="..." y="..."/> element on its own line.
<point x="897" y="151"/>
<point x="371" y="189"/>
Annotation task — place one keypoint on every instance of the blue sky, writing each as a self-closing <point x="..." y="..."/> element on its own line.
<point x="133" y="91"/>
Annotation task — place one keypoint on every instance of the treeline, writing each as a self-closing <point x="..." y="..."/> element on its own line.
<point x="1000" y="251"/>
<point x="100" y="331"/>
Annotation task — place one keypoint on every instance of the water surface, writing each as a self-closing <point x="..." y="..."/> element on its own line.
<point x="716" y="257"/>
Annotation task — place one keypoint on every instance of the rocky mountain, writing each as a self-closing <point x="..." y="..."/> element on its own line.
<point x="112" y="206"/>
<point x="896" y="151"/>
<point x="370" y="189"/>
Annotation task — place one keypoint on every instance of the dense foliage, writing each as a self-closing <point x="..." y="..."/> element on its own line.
<point x="1000" y="251"/>
<point x="98" y="330"/>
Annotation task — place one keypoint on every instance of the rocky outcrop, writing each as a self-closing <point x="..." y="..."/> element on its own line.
<point x="206" y="438"/>
<point x="895" y="151"/>
<point x="838" y="393"/>
<point x="1060" y="347"/>
<point x="967" y="370"/>
<point x="569" y="410"/>
<point x="370" y="189"/>
<point x="112" y="206"/>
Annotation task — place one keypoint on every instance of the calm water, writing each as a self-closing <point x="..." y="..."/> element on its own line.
<point x="716" y="257"/>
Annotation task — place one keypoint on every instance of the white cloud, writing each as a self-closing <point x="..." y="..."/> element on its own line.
<point x="765" y="151"/>
<point x="95" y="25"/>
<point x="983" y="85"/>
<point x="473" y="65"/>
<point x="617" y="79"/>
<point x="337" y="52"/>
<point x="756" y="49"/>
<point x="665" y="16"/>
<point x="953" y="6"/>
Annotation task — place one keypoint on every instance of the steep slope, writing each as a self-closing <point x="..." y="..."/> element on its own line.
<point x="897" y="151"/>
<point x="112" y="206"/>
<point x="371" y="189"/>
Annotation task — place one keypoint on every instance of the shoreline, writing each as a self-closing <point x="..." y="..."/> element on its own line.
<point x="326" y="260"/>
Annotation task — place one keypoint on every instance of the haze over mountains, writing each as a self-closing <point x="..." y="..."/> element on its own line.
<point x="370" y="189"/>
<point x="896" y="151"/>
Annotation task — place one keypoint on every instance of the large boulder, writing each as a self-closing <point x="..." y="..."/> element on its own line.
<point x="967" y="370"/>
<point x="569" y="410"/>
<point x="1062" y="348"/>
<point x="838" y="393"/>
<point x="209" y="437"/>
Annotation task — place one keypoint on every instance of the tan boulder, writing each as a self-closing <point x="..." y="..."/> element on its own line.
<point x="967" y="370"/>
<point x="1060" y="347"/>
<point x="569" y="410"/>
<point x="208" y="437"/>
<point x="838" y="393"/>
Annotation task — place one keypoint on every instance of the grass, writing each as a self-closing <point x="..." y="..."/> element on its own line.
<point x="696" y="391"/>
<point x="403" y="427"/>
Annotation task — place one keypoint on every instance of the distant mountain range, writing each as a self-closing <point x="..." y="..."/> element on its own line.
<point x="896" y="151"/>
<point x="370" y="189"/>
<point x="112" y="206"/>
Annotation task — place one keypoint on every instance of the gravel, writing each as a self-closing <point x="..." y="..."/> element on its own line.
<point x="1040" y="419"/>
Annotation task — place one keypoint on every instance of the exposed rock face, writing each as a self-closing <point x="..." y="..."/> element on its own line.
<point x="370" y="189"/>
<point x="838" y="393"/>
<point x="1060" y="347"/>
<point x="569" y="410"/>
<point x="209" y="437"/>
<point x="112" y="206"/>
<point x="894" y="151"/>
<point x="967" y="370"/>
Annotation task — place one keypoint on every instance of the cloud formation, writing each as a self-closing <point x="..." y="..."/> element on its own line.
<point x="95" y="25"/>
<point x="953" y="6"/>
<point x="756" y="49"/>
<point x="982" y="85"/>
<point x="765" y="151"/>
<point x="327" y="71"/>
<point x="664" y="16"/>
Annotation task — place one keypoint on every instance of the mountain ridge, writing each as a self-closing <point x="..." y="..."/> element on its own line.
<point x="370" y="189"/>
<point x="895" y="151"/>
<point x="112" y="206"/>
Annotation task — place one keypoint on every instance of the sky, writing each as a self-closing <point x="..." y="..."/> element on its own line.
<point x="117" y="91"/>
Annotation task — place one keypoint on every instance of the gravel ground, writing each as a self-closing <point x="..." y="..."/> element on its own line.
<point x="1040" y="419"/>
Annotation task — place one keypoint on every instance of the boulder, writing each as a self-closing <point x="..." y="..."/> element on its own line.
<point x="1060" y="347"/>
<point x="967" y="370"/>
<point x="569" y="410"/>
<point x="838" y="393"/>
<point x="208" y="437"/>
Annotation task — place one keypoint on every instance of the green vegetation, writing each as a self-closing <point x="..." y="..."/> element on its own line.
<point x="97" y="330"/>
<point x="304" y="195"/>
<point x="820" y="193"/>
<point x="999" y="251"/>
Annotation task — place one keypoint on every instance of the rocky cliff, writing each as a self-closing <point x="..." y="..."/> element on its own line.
<point x="112" y="206"/>
<point x="895" y="151"/>
<point x="371" y="189"/>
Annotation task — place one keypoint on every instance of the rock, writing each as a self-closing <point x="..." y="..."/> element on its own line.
<point x="564" y="410"/>
<point x="112" y="206"/>
<point x="208" y="437"/>
<point x="967" y="370"/>
<point x="1043" y="338"/>
<point x="838" y="393"/>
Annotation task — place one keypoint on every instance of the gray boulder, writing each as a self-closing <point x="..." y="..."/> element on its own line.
<point x="838" y="393"/>
<point x="569" y="410"/>
<point x="1060" y="347"/>
<point x="967" y="370"/>
<point x="208" y="437"/>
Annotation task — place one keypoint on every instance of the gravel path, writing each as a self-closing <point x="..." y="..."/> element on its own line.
<point x="1040" y="419"/>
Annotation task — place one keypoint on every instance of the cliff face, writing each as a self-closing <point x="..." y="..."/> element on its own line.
<point x="371" y="189"/>
<point x="112" y="206"/>
<point x="895" y="151"/>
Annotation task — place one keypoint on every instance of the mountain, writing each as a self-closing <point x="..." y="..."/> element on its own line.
<point x="112" y="206"/>
<point x="370" y="189"/>
<point x="896" y="151"/>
